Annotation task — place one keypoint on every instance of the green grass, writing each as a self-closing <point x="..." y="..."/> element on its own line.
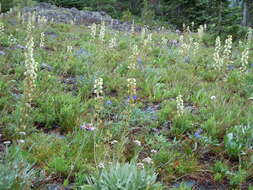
<point x="64" y="100"/>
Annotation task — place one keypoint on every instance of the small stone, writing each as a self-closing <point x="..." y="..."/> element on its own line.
<point x="2" y="53"/>
<point x="44" y="66"/>
<point x="82" y="53"/>
<point x="18" y="46"/>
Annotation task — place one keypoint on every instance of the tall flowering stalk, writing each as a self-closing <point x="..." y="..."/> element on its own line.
<point x="113" y="43"/>
<point x="143" y="33"/>
<point x="1" y="28"/>
<point x="29" y="82"/>
<point x="102" y="32"/>
<point x="131" y="84"/>
<point x="218" y="59"/>
<point x="93" y="31"/>
<point x="201" y="32"/>
<point x="185" y="47"/>
<point x="228" y="50"/>
<point x="180" y="105"/>
<point x="42" y="40"/>
<point x="133" y="57"/>
<point x="244" y="60"/>
<point x="98" y="90"/>
<point x="249" y="36"/>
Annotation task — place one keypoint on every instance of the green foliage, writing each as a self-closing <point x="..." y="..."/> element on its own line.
<point x="7" y="4"/>
<point x="16" y="172"/>
<point x="239" y="139"/>
<point x="125" y="176"/>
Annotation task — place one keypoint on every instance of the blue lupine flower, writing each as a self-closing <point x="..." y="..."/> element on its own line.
<point x="197" y="133"/>
<point x="109" y="102"/>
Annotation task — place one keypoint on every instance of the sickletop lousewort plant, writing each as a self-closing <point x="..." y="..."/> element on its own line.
<point x="31" y="68"/>
<point x="133" y="57"/>
<point x="201" y="32"/>
<point x="102" y="32"/>
<point x="180" y="105"/>
<point x="164" y="41"/>
<point x="185" y="47"/>
<point x="12" y="40"/>
<point x="249" y="36"/>
<point x="131" y="84"/>
<point x="148" y="41"/>
<point x="93" y="31"/>
<point x="132" y="28"/>
<point x="195" y="48"/>
<point x="69" y="49"/>
<point x="218" y="59"/>
<point x="42" y="40"/>
<point x="244" y="60"/>
<point x="113" y="43"/>
<point x="1" y="28"/>
<point x="228" y="50"/>
<point x="143" y="33"/>
<point x="98" y="91"/>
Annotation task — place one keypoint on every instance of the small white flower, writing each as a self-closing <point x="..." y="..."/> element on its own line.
<point x="7" y="142"/>
<point x="101" y="165"/>
<point x="21" y="141"/>
<point x="22" y="133"/>
<point x="153" y="151"/>
<point x="138" y="143"/>
<point x="213" y="97"/>
<point x="140" y="165"/>
<point x="114" y="142"/>
<point x="147" y="160"/>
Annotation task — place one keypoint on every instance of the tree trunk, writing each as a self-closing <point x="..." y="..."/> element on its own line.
<point x="247" y="13"/>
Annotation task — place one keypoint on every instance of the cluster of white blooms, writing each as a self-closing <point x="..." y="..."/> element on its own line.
<point x="132" y="28"/>
<point x="29" y="28"/>
<point x="218" y="59"/>
<point x="114" y="142"/>
<point x="101" y="165"/>
<point x="102" y="32"/>
<point x="1" y="28"/>
<point x="185" y="47"/>
<point x="41" y="20"/>
<point x="31" y="71"/>
<point x="12" y="40"/>
<point x="147" y="160"/>
<point x="195" y="48"/>
<point x="69" y="49"/>
<point x="227" y="50"/>
<point x="42" y="40"/>
<point x="201" y="32"/>
<point x="136" y="142"/>
<point x="93" y="31"/>
<point x="180" y="105"/>
<point x="244" y="60"/>
<point x="148" y="40"/>
<point x="131" y="84"/>
<point x="113" y="43"/>
<point x="164" y="41"/>
<point x="98" y="88"/>
<point x="249" y="36"/>
<point x="143" y="33"/>
<point x="133" y="57"/>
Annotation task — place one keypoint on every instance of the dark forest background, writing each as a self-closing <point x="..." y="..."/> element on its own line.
<point x="222" y="16"/>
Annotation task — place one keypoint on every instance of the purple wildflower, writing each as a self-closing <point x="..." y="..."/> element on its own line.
<point x="88" y="127"/>
<point x="135" y="97"/>
<point x="109" y="102"/>
<point x="197" y="133"/>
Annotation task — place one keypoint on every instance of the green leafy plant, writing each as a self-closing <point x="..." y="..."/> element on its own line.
<point x="238" y="140"/>
<point x="125" y="176"/>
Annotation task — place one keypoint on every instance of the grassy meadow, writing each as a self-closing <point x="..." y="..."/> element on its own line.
<point x="97" y="109"/>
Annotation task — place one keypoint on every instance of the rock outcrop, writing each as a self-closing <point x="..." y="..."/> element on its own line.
<point x="73" y="15"/>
